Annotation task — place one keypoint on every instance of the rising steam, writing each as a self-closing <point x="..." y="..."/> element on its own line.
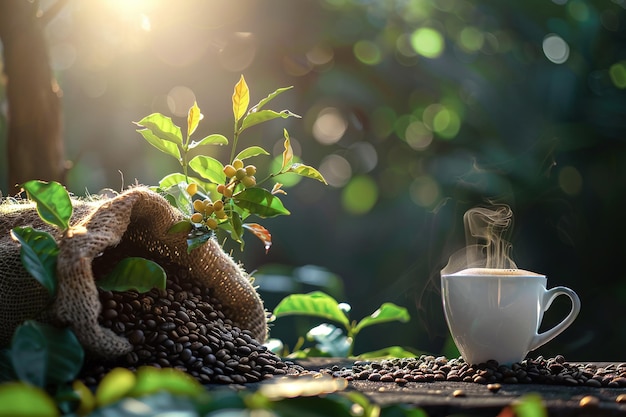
<point x="486" y="244"/>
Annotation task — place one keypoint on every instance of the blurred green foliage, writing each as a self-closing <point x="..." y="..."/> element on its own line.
<point x="414" y="110"/>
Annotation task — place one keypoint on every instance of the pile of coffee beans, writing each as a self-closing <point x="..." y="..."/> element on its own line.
<point x="183" y="327"/>
<point x="429" y="368"/>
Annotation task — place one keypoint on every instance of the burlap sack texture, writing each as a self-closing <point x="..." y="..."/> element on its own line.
<point x="134" y="223"/>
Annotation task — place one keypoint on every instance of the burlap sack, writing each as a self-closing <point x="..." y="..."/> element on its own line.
<point x="135" y="223"/>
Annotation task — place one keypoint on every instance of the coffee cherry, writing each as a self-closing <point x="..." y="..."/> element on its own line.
<point x="241" y="173"/>
<point x="221" y="214"/>
<point x="198" y="206"/>
<point x="192" y="189"/>
<point x="238" y="164"/>
<point x="248" y="182"/>
<point x="218" y="205"/>
<point x="208" y="208"/>
<point x="250" y="170"/>
<point x="230" y="171"/>
<point x="211" y="223"/>
<point x="225" y="191"/>
<point x="196" y="218"/>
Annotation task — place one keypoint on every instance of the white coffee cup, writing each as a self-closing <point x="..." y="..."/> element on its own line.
<point x="494" y="314"/>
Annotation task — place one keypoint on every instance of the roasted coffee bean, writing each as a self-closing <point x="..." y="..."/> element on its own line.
<point x="184" y="327"/>
<point x="136" y="337"/>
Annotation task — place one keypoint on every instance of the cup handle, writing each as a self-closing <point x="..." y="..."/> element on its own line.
<point x="550" y="295"/>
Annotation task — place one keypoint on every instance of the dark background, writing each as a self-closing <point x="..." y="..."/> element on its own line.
<point x="415" y="110"/>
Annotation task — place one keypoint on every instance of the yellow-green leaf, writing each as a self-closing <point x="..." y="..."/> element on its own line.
<point x="19" y="399"/>
<point x="250" y="152"/>
<point x="193" y="118"/>
<point x="114" y="386"/>
<point x="241" y="99"/>
<point x="307" y="171"/>
<point x="287" y="153"/>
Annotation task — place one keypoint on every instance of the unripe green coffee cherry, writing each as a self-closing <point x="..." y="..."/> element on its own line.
<point x="248" y="182"/>
<point x="241" y="173"/>
<point x="221" y="214"/>
<point x="238" y="164"/>
<point x="197" y="218"/>
<point x="230" y="171"/>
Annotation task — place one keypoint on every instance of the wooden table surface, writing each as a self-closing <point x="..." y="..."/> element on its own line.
<point x="437" y="398"/>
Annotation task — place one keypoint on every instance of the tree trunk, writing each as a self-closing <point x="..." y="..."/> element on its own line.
<point x="34" y="142"/>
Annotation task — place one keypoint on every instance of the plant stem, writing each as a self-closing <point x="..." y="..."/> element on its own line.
<point x="235" y="139"/>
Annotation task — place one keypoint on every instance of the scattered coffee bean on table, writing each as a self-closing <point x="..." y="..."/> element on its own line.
<point x="426" y="368"/>
<point x="183" y="327"/>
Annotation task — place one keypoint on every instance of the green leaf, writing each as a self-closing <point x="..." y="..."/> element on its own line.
<point x="52" y="200"/>
<point x="151" y="380"/>
<point x="162" y="128"/>
<point x="261" y="116"/>
<point x="269" y="98"/>
<point x="316" y="304"/>
<point x="307" y="171"/>
<point x="198" y="238"/>
<point x="183" y="226"/>
<point x="387" y="312"/>
<point x="209" y="140"/>
<point x="19" y="399"/>
<point x="388" y="353"/>
<point x="260" y="202"/>
<point x="178" y="197"/>
<point x="173" y="180"/>
<point x="250" y="152"/>
<point x="38" y="252"/>
<point x="114" y="386"/>
<point x="134" y="274"/>
<point x="330" y="339"/>
<point x="163" y="145"/>
<point x="44" y="355"/>
<point x="209" y="168"/>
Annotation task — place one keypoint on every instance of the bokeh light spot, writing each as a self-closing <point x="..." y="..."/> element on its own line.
<point x="578" y="10"/>
<point x="427" y="42"/>
<point x="418" y="136"/>
<point x="424" y="191"/>
<point x="239" y="51"/>
<point x="288" y="179"/>
<point x="555" y="48"/>
<point x="336" y="170"/>
<point x="471" y="38"/>
<point x="570" y="180"/>
<point x="618" y="74"/>
<point x="330" y="126"/>
<point x="367" y="52"/>
<point x="320" y="55"/>
<point x="364" y="156"/>
<point x="179" y="100"/>
<point x="359" y="195"/>
<point x="93" y="84"/>
<point x="442" y="120"/>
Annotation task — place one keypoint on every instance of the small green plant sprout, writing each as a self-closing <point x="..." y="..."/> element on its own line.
<point x="39" y="250"/>
<point x="331" y="340"/>
<point x="223" y="197"/>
